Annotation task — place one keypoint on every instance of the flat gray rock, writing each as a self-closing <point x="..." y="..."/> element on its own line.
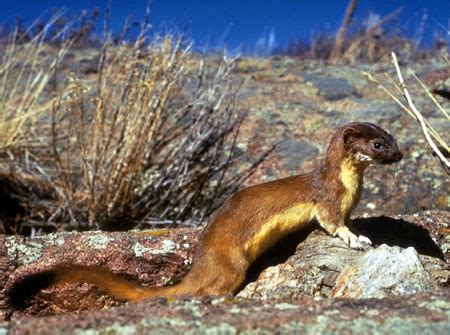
<point x="295" y="152"/>
<point x="382" y="272"/>
<point x="331" y="88"/>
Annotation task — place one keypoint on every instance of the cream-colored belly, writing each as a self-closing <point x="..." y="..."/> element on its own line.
<point x="278" y="226"/>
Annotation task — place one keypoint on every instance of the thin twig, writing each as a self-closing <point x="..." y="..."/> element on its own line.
<point x="433" y="132"/>
<point x="419" y="115"/>
<point x="427" y="90"/>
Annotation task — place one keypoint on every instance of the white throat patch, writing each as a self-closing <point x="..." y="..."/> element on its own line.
<point x="360" y="157"/>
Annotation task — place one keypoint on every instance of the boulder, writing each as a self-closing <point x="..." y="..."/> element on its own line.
<point x="418" y="314"/>
<point x="297" y="285"/>
<point x="382" y="272"/>
<point x="153" y="257"/>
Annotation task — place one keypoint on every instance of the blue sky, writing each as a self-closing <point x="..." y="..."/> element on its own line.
<point x="241" y="23"/>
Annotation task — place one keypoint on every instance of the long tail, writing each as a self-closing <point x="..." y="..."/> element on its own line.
<point x="112" y="283"/>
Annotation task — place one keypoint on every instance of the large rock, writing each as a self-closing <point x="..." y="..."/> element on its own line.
<point x="307" y="264"/>
<point x="382" y="272"/>
<point x="419" y="314"/>
<point x="154" y="258"/>
<point x="324" y="267"/>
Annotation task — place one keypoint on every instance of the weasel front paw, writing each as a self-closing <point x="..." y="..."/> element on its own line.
<point x="364" y="240"/>
<point x="355" y="242"/>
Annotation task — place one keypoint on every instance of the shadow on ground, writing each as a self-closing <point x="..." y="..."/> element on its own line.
<point x="398" y="232"/>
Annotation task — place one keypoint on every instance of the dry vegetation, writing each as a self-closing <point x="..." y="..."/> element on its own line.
<point x="25" y="72"/>
<point x="396" y="92"/>
<point x="371" y="41"/>
<point x="153" y="138"/>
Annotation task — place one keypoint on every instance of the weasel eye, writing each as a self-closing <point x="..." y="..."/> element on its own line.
<point x="378" y="146"/>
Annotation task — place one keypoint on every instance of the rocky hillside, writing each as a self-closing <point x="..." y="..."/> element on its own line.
<point x="301" y="103"/>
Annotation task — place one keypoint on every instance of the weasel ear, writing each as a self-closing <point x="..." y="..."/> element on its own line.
<point x="349" y="135"/>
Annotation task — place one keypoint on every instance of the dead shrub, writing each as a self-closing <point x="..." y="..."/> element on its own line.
<point x="153" y="139"/>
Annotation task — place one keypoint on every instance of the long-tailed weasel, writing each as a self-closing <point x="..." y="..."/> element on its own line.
<point x="254" y="219"/>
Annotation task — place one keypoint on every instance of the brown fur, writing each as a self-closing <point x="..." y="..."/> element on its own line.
<point x="255" y="218"/>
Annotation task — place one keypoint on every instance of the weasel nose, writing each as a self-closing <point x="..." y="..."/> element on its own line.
<point x="398" y="156"/>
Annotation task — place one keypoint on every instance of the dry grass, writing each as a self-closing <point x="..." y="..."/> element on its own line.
<point x="153" y="139"/>
<point x="25" y="72"/>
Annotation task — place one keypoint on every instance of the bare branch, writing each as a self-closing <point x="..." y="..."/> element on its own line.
<point x="419" y="116"/>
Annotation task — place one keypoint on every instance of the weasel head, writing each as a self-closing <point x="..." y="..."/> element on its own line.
<point x="366" y="143"/>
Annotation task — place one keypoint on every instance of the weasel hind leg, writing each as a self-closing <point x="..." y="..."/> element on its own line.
<point x="215" y="274"/>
